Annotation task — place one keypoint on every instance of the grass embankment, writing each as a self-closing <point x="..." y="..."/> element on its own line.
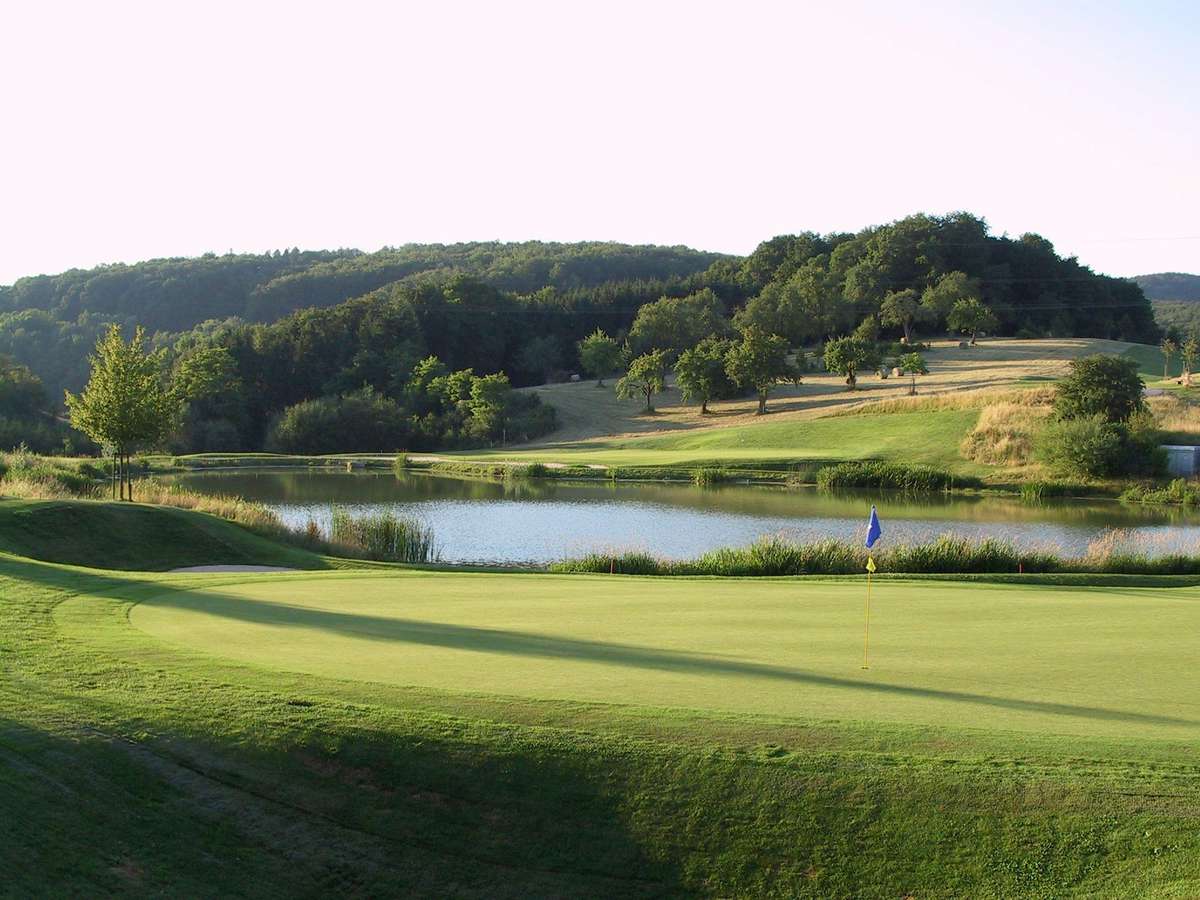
<point x="507" y="735"/>
<point x="928" y="438"/>
<point x="136" y="536"/>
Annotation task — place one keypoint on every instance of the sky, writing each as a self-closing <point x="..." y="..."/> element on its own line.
<point x="130" y="131"/>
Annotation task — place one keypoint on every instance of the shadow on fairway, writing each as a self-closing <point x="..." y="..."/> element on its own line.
<point x="521" y="643"/>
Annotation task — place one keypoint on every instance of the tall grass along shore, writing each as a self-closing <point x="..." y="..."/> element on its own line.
<point x="1112" y="553"/>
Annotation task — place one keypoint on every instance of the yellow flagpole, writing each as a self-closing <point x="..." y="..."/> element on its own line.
<point x="867" y="620"/>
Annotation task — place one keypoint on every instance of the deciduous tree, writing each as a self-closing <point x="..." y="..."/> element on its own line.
<point x="599" y="355"/>
<point x="970" y="316"/>
<point x="647" y="376"/>
<point x="127" y="402"/>
<point x="848" y="356"/>
<point x="760" y="361"/>
<point x="700" y="371"/>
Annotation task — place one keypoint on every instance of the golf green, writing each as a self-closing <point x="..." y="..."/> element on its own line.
<point x="1096" y="661"/>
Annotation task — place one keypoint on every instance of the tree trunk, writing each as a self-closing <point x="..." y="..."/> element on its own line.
<point x="913" y="389"/>
<point x="762" y="403"/>
<point x="649" y="408"/>
<point x="973" y="333"/>
<point x="851" y="379"/>
<point x="907" y="332"/>
<point x="704" y="407"/>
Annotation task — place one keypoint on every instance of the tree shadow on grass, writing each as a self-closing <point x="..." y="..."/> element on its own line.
<point x="530" y="644"/>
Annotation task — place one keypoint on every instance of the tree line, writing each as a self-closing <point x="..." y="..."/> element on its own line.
<point x="295" y="328"/>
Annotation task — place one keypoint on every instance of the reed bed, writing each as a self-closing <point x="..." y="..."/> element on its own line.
<point x="1115" y="552"/>
<point x="384" y="535"/>
<point x="889" y="476"/>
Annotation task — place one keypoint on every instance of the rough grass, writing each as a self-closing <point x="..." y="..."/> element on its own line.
<point x="976" y="399"/>
<point x="1114" y="552"/>
<point x="1005" y="434"/>
<point x="1176" y="417"/>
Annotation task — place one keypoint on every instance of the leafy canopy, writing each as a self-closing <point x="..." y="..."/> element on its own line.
<point x="599" y="355"/>
<point x="848" y="356"/>
<point x="647" y="376"/>
<point x="700" y="372"/>
<point x="760" y="361"/>
<point x="127" y="402"/>
<point x="1107" y="386"/>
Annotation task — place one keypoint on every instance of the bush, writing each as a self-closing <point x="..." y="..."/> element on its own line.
<point x="1180" y="491"/>
<point x="1107" y="386"/>
<point x="362" y="421"/>
<point x="893" y="476"/>
<point x="1094" y="447"/>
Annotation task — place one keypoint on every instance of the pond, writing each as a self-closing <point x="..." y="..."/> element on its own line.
<point x="527" y="521"/>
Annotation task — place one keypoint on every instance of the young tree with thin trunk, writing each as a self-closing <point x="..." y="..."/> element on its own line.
<point x="760" y="361"/>
<point x="1168" y="347"/>
<point x="647" y="376"/>
<point x="599" y="355"/>
<point x="912" y="364"/>
<point x="127" y="402"/>
<point x="1188" y="351"/>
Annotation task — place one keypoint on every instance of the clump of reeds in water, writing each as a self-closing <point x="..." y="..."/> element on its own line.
<point x="384" y="535"/>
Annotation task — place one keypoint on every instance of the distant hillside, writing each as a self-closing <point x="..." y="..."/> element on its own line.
<point x="1170" y="286"/>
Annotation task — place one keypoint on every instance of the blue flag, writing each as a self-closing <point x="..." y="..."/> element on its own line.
<point x="873" y="530"/>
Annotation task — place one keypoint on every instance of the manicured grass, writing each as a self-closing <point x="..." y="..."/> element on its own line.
<point x="989" y="656"/>
<point x="930" y="438"/>
<point x="527" y="736"/>
<point x="135" y="536"/>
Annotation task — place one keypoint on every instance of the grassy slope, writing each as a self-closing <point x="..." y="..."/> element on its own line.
<point x="910" y="437"/>
<point x="128" y="765"/>
<point x="135" y="536"/>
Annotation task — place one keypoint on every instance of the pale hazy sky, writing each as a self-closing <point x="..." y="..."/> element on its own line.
<point x="129" y="131"/>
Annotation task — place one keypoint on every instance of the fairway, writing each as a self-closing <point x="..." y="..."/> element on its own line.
<point x="1055" y="660"/>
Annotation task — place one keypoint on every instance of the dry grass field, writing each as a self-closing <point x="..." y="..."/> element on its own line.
<point x="590" y="413"/>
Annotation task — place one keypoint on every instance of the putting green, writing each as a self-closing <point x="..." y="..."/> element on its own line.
<point x="1097" y="661"/>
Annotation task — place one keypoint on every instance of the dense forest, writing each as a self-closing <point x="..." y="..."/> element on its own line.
<point x="1170" y="286"/>
<point x="409" y="335"/>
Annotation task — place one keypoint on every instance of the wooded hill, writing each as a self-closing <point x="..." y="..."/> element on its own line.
<point x="298" y="326"/>
<point x="1170" y="286"/>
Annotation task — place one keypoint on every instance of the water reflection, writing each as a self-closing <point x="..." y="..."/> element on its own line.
<point x="539" y="521"/>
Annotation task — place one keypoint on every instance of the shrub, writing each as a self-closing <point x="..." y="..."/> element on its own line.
<point x="1094" y="447"/>
<point x="362" y="421"/>
<point x="1180" y="490"/>
<point x="1107" y="386"/>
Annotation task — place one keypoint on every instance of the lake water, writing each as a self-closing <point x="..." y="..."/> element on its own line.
<point x="542" y="521"/>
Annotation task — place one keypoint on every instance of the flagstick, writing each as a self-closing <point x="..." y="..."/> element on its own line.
<point x="867" y="626"/>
